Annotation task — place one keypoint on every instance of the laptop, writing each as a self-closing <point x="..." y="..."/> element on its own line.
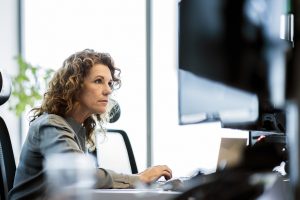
<point x="230" y="152"/>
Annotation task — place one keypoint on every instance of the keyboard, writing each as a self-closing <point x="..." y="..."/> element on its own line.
<point x="174" y="184"/>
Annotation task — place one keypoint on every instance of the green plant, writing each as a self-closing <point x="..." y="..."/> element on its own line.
<point x="28" y="85"/>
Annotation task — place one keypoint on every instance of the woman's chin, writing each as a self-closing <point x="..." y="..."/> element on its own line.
<point x="101" y="111"/>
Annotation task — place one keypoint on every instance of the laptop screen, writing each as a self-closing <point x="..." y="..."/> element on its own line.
<point x="230" y="152"/>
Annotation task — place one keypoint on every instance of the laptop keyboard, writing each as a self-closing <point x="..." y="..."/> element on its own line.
<point x="174" y="184"/>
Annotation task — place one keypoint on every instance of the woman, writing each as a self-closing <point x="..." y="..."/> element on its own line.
<point x="77" y="97"/>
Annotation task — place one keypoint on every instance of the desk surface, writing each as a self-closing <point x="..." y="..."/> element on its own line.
<point x="276" y="189"/>
<point x="132" y="194"/>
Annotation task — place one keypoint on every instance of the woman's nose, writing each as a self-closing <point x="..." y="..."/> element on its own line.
<point x="107" y="90"/>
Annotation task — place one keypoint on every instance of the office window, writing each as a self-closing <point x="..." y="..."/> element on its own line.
<point x="54" y="29"/>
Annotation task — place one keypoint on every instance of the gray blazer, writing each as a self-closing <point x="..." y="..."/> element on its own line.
<point x="50" y="134"/>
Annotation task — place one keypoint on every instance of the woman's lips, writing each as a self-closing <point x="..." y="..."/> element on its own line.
<point x="103" y="101"/>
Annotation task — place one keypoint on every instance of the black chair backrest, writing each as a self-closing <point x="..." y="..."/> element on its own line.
<point x="5" y="87"/>
<point x="7" y="160"/>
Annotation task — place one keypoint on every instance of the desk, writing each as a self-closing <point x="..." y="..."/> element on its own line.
<point x="275" y="190"/>
<point x="132" y="194"/>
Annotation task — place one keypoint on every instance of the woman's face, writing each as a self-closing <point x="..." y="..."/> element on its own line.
<point x="93" y="98"/>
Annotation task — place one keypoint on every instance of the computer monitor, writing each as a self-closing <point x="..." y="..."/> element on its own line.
<point x="231" y="61"/>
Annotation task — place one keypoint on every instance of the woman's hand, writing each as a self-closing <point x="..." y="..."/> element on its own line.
<point x="153" y="173"/>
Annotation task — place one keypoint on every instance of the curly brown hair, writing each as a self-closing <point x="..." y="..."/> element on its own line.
<point x="67" y="82"/>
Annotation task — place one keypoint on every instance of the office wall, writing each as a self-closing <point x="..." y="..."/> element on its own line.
<point x="9" y="49"/>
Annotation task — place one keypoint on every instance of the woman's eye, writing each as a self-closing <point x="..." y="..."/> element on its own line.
<point x="98" y="81"/>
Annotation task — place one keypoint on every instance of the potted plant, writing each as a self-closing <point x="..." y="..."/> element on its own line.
<point x="28" y="85"/>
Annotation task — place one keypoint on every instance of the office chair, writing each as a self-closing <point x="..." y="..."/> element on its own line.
<point x="116" y="153"/>
<point x="7" y="160"/>
<point x="116" y="148"/>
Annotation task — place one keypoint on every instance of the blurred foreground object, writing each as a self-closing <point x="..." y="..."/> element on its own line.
<point x="70" y="175"/>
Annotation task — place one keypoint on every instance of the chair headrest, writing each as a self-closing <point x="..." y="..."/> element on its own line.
<point x="115" y="111"/>
<point x="5" y="87"/>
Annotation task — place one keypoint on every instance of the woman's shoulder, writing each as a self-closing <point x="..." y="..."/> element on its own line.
<point x="49" y="119"/>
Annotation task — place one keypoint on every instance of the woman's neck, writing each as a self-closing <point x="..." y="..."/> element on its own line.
<point x="78" y="115"/>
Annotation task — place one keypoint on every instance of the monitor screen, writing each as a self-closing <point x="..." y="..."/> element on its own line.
<point x="230" y="59"/>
